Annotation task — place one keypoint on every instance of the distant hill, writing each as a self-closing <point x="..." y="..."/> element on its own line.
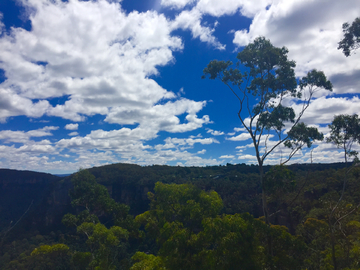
<point x="46" y="195"/>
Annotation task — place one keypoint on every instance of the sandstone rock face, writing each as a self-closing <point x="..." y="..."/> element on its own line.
<point x="25" y="195"/>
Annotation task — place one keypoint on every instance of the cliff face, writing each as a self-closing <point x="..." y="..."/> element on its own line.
<point x="40" y="200"/>
<point x="23" y="195"/>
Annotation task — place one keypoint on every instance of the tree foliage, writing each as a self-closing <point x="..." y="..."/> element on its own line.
<point x="48" y="257"/>
<point x="186" y="224"/>
<point x="105" y="244"/>
<point x="344" y="132"/>
<point x="191" y="234"/>
<point x="351" y="40"/>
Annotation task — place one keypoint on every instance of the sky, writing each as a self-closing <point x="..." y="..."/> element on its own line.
<point x="89" y="83"/>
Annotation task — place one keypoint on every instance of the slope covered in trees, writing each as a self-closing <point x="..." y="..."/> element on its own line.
<point x="210" y="206"/>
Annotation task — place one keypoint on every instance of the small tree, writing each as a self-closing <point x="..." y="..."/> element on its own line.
<point x="55" y="257"/>
<point x="270" y="81"/>
<point x="351" y="40"/>
<point x="344" y="132"/>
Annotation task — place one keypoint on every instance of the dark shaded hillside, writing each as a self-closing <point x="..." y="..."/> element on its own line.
<point x="236" y="184"/>
<point x="19" y="188"/>
<point x="297" y="199"/>
<point x="22" y="194"/>
<point x="47" y="198"/>
<point x="130" y="184"/>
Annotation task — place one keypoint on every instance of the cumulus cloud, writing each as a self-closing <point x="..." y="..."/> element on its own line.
<point x="86" y="53"/>
<point x="247" y="157"/>
<point x="12" y="104"/>
<point x="217" y="8"/>
<point x="191" y="20"/>
<point x="311" y="31"/>
<point x="240" y="137"/>
<point x="162" y="116"/>
<point x="247" y="8"/>
<point x="237" y="129"/>
<point x="178" y="4"/>
<point x="72" y="126"/>
<point x="184" y="143"/>
<point x="22" y="136"/>
<point x="95" y="60"/>
<point x="97" y="148"/>
<point x="323" y="109"/>
<point x="214" y="132"/>
<point x="24" y="150"/>
<point x="227" y="156"/>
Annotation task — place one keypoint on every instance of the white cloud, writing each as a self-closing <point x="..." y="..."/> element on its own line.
<point x="162" y="117"/>
<point x="311" y="31"/>
<point x="227" y="156"/>
<point x="178" y="4"/>
<point x="99" y="59"/>
<point x="196" y="136"/>
<point x="37" y="148"/>
<point x="217" y="8"/>
<point x="181" y="92"/>
<point x="72" y="126"/>
<point x="239" y="129"/>
<point x="191" y="19"/>
<point x="85" y="50"/>
<point x="214" y="132"/>
<point x="124" y="139"/>
<point x="12" y="104"/>
<point x="323" y="110"/>
<point x="240" y="137"/>
<point x="98" y="148"/>
<point x="22" y="136"/>
<point x="184" y="142"/>
<point x="249" y="158"/>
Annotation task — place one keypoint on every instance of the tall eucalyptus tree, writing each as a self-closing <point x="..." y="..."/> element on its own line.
<point x="269" y="81"/>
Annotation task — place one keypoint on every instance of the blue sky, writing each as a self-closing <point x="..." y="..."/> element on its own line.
<point x="87" y="83"/>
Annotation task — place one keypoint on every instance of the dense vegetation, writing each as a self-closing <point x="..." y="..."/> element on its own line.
<point x="194" y="218"/>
